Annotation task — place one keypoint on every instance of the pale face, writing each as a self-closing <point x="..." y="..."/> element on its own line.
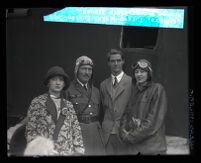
<point x="141" y="76"/>
<point x="84" y="73"/>
<point x="56" y="84"/>
<point x="116" y="64"/>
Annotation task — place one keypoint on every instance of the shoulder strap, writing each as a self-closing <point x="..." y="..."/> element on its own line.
<point x="59" y="122"/>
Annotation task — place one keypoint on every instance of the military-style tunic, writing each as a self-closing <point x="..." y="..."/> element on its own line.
<point x="88" y="115"/>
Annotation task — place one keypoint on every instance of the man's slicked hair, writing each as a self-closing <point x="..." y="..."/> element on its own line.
<point x="115" y="51"/>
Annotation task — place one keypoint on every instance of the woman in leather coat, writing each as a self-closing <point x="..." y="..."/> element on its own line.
<point x="142" y="125"/>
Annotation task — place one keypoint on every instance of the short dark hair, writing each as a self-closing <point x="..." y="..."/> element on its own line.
<point x="115" y="51"/>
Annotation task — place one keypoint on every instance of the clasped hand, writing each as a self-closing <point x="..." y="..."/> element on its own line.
<point x="133" y="124"/>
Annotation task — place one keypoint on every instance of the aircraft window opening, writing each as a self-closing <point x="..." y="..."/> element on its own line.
<point x="139" y="37"/>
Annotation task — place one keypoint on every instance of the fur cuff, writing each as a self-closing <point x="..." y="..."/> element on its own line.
<point x="40" y="146"/>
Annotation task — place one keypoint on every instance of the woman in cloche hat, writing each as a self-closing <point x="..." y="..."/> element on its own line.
<point x="52" y="127"/>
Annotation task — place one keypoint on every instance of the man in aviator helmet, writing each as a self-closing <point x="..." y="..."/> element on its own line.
<point x="86" y="100"/>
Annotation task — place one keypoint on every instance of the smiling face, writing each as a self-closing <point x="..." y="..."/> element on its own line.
<point x="84" y="73"/>
<point x="56" y="84"/>
<point x="141" y="75"/>
<point x="116" y="64"/>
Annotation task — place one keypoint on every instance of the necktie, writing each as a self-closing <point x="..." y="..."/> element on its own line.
<point x="85" y="87"/>
<point x="115" y="81"/>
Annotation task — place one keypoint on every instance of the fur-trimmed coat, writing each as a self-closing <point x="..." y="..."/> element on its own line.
<point x="65" y="132"/>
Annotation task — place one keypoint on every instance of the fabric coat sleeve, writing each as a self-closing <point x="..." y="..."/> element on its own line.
<point x="125" y="118"/>
<point x="123" y="124"/>
<point x="32" y="122"/>
<point x="102" y="97"/>
<point x="102" y="112"/>
<point x="154" y="120"/>
<point x="100" y="108"/>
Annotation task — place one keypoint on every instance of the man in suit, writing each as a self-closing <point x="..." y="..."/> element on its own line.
<point x="115" y="93"/>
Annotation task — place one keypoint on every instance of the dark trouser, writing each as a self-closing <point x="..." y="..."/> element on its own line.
<point x="115" y="146"/>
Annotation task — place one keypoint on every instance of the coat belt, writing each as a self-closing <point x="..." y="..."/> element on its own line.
<point x="87" y="119"/>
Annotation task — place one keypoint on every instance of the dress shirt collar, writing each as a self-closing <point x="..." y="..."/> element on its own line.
<point x="119" y="77"/>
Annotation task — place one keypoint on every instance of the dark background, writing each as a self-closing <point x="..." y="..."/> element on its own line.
<point x="33" y="46"/>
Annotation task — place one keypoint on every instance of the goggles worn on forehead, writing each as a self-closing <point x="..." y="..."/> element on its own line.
<point x="142" y="64"/>
<point x="84" y="62"/>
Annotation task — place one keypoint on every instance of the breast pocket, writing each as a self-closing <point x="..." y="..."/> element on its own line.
<point x="95" y="106"/>
<point x="80" y="104"/>
<point x="74" y="96"/>
<point x="145" y="99"/>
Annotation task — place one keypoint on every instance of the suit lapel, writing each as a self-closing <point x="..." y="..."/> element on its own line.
<point x="108" y="86"/>
<point x="109" y="91"/>
<point x="120" y="87"/>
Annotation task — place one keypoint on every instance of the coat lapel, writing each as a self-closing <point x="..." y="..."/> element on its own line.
<point x="109" y="91"/>
<point x="120" y="87"/>
<point x="108" y="86"/>
<point x="59" y="122"/>
<point x="78" y="86"/>
<point x="81" y="89"/>
<point x="51" y="108"/>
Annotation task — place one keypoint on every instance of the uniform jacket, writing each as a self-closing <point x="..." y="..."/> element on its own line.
<point x="120" y="100"/>
<point x="92" y="134"/>
<point x="149" y="105"/>
<point x="65" y="131"/>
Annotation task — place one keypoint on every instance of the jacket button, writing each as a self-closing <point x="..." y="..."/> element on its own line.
<point x="89" y="106"/>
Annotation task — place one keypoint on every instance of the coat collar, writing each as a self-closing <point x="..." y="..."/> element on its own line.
<point x="143" y="87"/>
<point x="80" y="88"/>
<point x="52" y="110"/>
<point x="82" y="83"/>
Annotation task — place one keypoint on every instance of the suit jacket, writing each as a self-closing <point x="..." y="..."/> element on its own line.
<point x="114" y="106"/>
